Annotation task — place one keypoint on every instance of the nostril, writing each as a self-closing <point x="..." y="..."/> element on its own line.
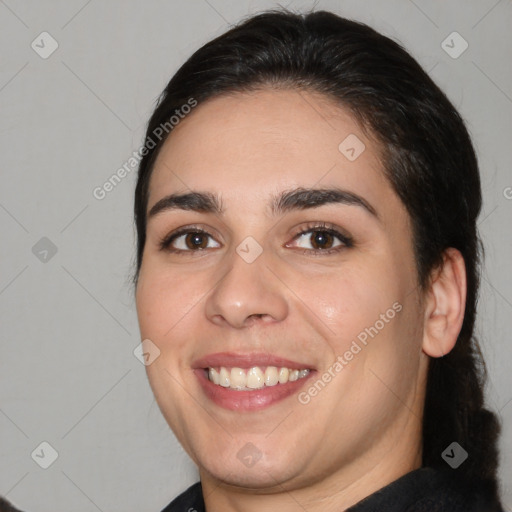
<point x="254" y="317"/>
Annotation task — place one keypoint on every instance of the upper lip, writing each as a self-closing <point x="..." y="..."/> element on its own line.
<point x="247" y="360"/>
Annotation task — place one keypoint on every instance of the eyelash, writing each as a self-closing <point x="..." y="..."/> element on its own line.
<point x="322" y="227"/>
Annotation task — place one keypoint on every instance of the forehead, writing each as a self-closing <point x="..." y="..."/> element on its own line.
<point x="247" y="146"/>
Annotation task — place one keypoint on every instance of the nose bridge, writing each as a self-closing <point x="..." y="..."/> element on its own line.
<point x="248" y="289"/>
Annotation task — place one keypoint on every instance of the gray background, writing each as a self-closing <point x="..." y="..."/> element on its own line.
<point x="68" y="375"/>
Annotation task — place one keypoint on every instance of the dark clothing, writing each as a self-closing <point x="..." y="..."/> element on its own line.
<point x="421" y="490"/>
<point x="6" y="506"/>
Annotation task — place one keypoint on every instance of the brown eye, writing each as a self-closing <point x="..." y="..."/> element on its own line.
<point x="196" y="241"/>
<point x="321" y="240"/>
<point x="188" y="241"/>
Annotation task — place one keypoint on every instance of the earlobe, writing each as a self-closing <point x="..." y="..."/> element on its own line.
<point x="445" y="305"/>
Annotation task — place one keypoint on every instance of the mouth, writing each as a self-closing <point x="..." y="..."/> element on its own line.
<point x="248" y="382"/>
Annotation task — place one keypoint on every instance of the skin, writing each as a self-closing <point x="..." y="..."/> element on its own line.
<point x="363" y="429"/>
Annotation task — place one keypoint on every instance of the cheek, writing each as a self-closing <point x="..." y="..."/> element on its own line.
<point x="373" y="319"/>
<point x="164" y="299"/>
<point x="350" y="302"/>
<point x="165" y="304"/>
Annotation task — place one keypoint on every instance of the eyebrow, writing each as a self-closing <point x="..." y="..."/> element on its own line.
<point x="295" y="199"/>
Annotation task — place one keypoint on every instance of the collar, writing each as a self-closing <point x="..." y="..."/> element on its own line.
<point x="421" y="490"/>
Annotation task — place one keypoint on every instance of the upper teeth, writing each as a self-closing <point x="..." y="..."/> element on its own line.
<point x="253" y="378"/>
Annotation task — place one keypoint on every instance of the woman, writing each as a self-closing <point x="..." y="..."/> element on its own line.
<point x="307" y="275"/>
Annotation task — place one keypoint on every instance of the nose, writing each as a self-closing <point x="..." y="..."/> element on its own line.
<point x="248" y="293"/>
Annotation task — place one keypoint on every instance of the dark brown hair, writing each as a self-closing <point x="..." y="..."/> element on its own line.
<point x="428" y="159"/>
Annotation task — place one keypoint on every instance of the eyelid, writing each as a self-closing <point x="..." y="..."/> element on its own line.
<point x="322" y="226"/>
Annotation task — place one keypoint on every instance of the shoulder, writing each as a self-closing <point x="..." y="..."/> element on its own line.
<point x="449" y="491"/>
<point x="189" y="501"/>
<point x="432" y="490"/>
<point x="6" y="506"/>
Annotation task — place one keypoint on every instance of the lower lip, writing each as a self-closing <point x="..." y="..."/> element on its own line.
<point x="248" y="400"/>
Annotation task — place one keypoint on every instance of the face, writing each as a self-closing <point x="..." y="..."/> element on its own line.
<point x="288" y="319"/>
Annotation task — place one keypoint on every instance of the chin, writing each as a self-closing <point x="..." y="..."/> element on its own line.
<point x="256" y="477"/>
<point x="242" y="468"/>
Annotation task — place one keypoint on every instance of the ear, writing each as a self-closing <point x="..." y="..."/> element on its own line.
<point x="445" y="305"/>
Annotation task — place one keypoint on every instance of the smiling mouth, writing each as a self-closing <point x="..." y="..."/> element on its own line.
<point x="254" y="378"/>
